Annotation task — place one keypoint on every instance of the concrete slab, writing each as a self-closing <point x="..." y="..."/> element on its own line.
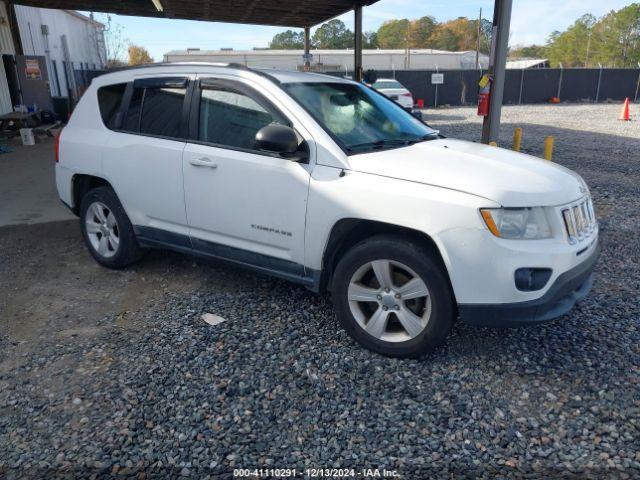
<point x="27" y="185"/>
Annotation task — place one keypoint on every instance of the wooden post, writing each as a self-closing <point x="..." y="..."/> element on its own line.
<point x="517" y="139"/>
<point x="548" y="148"/>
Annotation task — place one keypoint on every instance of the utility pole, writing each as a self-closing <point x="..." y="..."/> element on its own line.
<point x="357" y="44"/>
<point x="586" y="61"/>
<point x="408" y="41"/>
<point x="307" y="46"/>
<point x="497" y="67"/>
<point x="478" y="40"/>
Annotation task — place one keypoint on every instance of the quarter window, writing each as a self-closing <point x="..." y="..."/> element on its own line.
<point x="231" y="118"/>
<point x="109" y="100"/>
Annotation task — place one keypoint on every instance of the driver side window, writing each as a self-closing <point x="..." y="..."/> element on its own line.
<point x="231" y="118"/>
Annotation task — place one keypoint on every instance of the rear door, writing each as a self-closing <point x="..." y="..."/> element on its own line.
<point x="243" y="204"/>
<point x="143" y="157"/>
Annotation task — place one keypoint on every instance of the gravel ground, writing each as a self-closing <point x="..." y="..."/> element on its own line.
<point x="125" y="378"/>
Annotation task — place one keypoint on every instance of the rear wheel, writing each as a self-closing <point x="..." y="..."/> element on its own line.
<point x="393" y="297"/>
<point x="106" y="229"/>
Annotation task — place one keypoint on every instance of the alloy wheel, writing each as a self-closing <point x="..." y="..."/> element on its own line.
<point x="389" y="300"/>
<point x="102" y="229"/>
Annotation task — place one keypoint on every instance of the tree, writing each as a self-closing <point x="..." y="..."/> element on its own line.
<point x="486" y="32"/>
<point x="370" y="40"/>
<point x="332" y="35"/>
<point x="421" y="30"/>
<point x="444" y="39"/>
<point x="115" y="44"/>
<point x="287" y="40"/>
<point x="530" y="51"/>
<point x="138" y="55"/>
<point x="457" y="35"/>
<point x="570" y="47"/>
<point x="612" y="40"/>
<point x="394" y="34"/>
<point x="617" y="36"/>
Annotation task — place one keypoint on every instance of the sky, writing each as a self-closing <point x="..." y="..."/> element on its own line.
<point x="532" y="22"/>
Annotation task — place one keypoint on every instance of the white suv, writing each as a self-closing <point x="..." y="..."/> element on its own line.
<point x="329" y="184"/>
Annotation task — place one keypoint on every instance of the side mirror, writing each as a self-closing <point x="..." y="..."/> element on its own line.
<point x="278" y="139"/>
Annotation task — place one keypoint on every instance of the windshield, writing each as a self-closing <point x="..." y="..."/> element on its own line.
<point x="358" y="118"/>
<point x="387" y="84"/>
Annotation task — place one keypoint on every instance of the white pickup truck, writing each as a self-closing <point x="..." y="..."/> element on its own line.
<point x="327" y="183"/>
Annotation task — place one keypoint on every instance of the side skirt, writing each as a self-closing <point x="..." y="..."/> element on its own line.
<point x="150" y="237"/>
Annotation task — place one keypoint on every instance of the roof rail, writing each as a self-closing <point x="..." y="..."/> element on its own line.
<point x="239" y="66"/>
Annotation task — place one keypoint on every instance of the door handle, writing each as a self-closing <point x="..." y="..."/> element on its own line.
<point x="203" y="162"/>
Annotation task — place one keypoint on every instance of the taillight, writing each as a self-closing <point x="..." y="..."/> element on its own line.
<point x="56" y="146"/>
<point x="406" y="94"/>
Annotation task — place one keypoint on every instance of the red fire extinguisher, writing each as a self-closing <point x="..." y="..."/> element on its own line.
<point x="484" y="95"/>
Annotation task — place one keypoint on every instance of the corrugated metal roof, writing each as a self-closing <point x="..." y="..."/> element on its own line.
<point x="526" y="63"/>
<point x="291" y="13"/>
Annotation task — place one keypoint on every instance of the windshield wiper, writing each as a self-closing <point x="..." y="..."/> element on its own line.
<point x="390" y="142"/>
<point x="429" y="136"/>
<point x="374" y="145"/>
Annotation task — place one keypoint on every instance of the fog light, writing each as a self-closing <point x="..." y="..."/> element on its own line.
<point x="531" y="279"/>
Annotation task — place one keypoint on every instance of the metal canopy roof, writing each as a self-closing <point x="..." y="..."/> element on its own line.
<point x="288" y="13"/>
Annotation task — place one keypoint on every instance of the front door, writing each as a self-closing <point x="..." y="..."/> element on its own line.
<point x="242" y="204"/>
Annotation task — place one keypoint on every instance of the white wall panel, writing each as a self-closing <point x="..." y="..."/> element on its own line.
<point x="84" y="38"/>
<point x="85" y="45"/>
<point x="336" y="59"/>
<point x="6" y="47"/>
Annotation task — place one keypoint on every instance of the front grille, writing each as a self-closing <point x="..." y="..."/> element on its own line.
<point x="579" y="220"/>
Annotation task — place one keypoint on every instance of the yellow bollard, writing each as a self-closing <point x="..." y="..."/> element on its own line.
<point x="548" y="148"/>
<point x="493" y="144"/>
<point x="517" y="139"/>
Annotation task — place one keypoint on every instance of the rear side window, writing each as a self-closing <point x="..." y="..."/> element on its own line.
<point x="156" y="110"/>
<point x="109" y="100"/>
<point x="132" y="123"/>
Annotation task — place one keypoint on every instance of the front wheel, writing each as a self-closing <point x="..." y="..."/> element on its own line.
<point x="393" y="297"/>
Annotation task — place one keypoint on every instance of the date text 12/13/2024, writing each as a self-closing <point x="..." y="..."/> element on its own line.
<point x="364" y="473"/>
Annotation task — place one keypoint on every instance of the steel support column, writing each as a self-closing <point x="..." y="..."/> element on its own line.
<point x="357" y="44"/>
<point x="307" y="48"/>
<point x="497" y="67"/>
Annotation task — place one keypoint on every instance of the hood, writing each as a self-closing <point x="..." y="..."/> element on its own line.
<point x="509" y="178"/>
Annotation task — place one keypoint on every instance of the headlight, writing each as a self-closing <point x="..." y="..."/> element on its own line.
<point x="517" y="223"/>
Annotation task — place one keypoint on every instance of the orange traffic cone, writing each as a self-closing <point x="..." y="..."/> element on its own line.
<point x="624" y="114"/>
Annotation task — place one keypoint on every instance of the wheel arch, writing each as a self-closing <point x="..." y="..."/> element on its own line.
<point x="83" y="183"/>
<point x="348" y="232"/>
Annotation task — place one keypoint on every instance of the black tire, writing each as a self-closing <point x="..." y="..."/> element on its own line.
<point x="128" y="251"/>
<point x="419" y="259"/>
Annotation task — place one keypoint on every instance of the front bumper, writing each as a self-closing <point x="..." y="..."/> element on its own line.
<point x="567" y="290"/>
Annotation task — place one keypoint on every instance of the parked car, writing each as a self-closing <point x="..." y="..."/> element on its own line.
<point x="395" y="91"/>
<point x="325" y="182"/>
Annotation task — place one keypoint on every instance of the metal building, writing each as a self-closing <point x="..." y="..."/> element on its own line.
<point x="46" y="53"/>
<point x="336" y="60"/>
